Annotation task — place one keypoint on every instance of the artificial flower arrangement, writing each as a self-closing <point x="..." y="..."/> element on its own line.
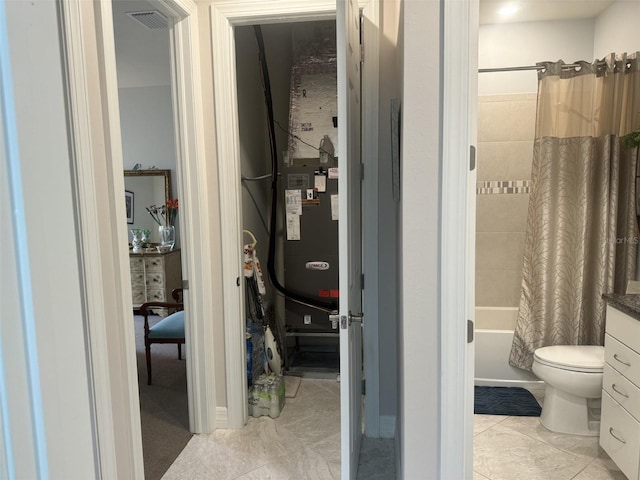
<point x="633" y="139"/>
<point x="164" y="215"/>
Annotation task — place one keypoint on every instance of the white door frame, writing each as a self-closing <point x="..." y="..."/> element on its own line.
<point x="460" y="41"/>
<point x="94" y="115"/>
<point x="225" y="15"/>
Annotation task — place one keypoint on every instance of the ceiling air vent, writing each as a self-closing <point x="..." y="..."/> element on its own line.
<point x="151" y="19"/>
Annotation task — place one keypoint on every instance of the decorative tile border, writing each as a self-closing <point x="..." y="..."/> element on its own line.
<point x="503" y="186"/>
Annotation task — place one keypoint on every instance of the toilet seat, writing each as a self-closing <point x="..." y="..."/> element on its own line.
<point x="576" y="358"/>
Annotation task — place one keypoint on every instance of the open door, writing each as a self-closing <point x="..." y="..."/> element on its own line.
<point x="349" y="233"/>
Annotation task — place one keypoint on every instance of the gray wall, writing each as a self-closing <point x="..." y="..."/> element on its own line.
<point x="254" y="140"/>
<point x="389" y="87"/>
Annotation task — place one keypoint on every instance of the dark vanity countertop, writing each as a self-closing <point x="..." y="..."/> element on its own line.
<point x="629" y="304"/>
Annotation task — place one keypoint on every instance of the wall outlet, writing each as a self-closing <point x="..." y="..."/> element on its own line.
<point x="307" y="319"/>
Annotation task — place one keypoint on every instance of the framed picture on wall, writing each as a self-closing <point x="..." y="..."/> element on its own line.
<point x="128" y="202"/>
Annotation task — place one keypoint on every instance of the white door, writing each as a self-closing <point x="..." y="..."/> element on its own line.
<point x="349" y="233"/>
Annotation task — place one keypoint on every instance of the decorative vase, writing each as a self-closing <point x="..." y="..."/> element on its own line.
<point x="136" y="240"/>
<point x="146" y="236"/>
<point x="167" y="236"/>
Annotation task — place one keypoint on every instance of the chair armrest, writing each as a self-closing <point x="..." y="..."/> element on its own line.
<point x="176" y="293"/>
<point x="145" y="310"/>
<point x="145" y="307"/>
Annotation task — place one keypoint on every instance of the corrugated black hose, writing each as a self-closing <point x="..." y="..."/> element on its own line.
<point x="310" y="302"/>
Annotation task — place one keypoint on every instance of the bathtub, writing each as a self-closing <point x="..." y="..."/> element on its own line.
<point x="493" y="338"/>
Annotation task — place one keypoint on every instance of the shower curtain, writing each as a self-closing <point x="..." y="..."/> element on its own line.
<point x="582" y="230"/>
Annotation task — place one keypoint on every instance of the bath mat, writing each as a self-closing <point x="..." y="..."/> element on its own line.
<point x="513" y="401"/>
<point x="291" y="385"/>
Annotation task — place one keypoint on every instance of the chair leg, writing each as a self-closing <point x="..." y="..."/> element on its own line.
<point x="147" y="346"/>
<point x="179" y="351"/>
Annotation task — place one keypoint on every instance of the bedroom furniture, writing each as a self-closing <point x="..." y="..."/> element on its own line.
<point x="168" y="330"/>
<point x="620" y="422"/>
<point x="153" y="276"/>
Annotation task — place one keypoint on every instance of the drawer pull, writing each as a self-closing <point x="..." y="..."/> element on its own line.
<point x="615" y="389"/>
<point x="615" y="355"/>
<point x="615" y="436"/>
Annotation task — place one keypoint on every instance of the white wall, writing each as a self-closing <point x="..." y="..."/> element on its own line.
<point x="50" y="371"/>
<point x="419" y="286"/>
<point x="142" y="53"/>
<point x="519" y="44"/>
<point x="616" y="29"/>
<point x="146" y="121"/>
<point x="146" y="118"/>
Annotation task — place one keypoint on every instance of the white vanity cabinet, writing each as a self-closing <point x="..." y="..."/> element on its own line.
<point x="154" y="276"/>
<point x="620" y="421"/>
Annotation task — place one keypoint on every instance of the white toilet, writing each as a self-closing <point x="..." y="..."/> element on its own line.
<point x="573" y="378"/>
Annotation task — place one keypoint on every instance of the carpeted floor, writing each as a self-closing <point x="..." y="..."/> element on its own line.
<point x="163" y="405"/>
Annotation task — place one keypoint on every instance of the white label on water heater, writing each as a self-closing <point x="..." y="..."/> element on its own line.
<point x="317" y="265"/>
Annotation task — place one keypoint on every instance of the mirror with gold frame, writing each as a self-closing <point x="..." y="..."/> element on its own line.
<point x="145" y="188"/>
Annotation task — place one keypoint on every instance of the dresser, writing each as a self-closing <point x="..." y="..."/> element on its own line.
<point x="620" y="421"/>
<point x="154" y="276"/>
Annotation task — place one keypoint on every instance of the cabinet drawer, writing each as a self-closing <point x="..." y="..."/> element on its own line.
<point x="155" y="295"/>
<point x="136" y="263"/>
<point x="154" y="280"/>
<point x="154" y="264"/>
<point x="622" y="390"/>
<point x="137" y="279"/>
<point x="138" y="296"/>
<point x="622" y="358"/>
<point x="620" y="436"/>
<point x="624" y="328"/>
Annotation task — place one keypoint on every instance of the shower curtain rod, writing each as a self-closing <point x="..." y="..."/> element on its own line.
<point x="526" y="67"/>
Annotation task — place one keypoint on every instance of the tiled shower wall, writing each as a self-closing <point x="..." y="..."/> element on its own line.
<point x="506" y="127"/>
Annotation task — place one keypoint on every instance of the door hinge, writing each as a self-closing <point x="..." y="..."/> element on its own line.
<point x="472" y="158"/>
<point x="362" y="281"/>
<point x="362" y="53"/>
<point x="362" y="171"/>
<point x="185" y="284"/>
<point x="469" y="331"/>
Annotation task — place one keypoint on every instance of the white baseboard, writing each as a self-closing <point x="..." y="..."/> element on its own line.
<point x="387" y="426"/>
<point x="222" y="417"/>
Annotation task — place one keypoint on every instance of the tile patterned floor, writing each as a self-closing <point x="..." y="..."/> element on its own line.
<point x="304" y="443"/>
<point x="508" y="448"/>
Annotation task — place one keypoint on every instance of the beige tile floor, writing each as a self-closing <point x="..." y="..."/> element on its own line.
<point x="509" y="448"/>
<point x="304" y="443"/>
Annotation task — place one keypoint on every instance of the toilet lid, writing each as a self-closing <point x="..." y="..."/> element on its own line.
<point x="579" y="358"/>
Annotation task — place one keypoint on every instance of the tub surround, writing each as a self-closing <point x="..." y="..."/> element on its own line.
<point x="629" y="304"/>
<point x="506" y="127"/>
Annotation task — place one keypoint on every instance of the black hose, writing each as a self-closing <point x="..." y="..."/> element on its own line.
<point x="310" y="302"/>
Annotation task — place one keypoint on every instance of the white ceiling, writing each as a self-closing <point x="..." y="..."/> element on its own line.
<point x="143" y="55"/>
<point x="541" y="10"/>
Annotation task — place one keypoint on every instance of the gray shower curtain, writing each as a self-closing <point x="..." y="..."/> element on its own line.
<point x="582" y="229"/>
